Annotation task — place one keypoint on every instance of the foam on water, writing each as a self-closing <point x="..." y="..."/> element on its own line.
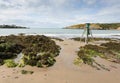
<point x="61" y="33"/>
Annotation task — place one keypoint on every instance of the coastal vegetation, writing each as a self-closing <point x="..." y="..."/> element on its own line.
<point x="36" y="50"/>
<point x="108" y="51"/>
<point x="12" y="26"/>
<point x="97" y="26"/>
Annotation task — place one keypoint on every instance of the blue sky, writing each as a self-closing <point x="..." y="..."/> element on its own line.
<point x="58" y="13"/>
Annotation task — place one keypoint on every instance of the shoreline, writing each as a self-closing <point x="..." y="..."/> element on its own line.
<point x="60" y="33"/>
<point x="68" y="36"/>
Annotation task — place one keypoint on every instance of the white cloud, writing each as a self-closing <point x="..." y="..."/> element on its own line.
<point x="90" y="2"/>
<point x="57" y="12"/>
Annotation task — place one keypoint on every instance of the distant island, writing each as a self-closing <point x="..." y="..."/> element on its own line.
<point x="97" y="26"/>
<point x="11" y="27"/>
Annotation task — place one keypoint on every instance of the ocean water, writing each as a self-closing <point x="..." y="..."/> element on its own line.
<point x="61" y="33"/>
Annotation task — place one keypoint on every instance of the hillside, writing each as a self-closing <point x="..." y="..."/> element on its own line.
<point x="11" y="26"/>
<point x="97" y="26"/>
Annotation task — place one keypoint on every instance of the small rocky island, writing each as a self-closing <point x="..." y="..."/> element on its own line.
<point x="12" y="27"/>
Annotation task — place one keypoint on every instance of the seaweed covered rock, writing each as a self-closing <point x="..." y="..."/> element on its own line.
<point x="10" y="63"/>
<point x="37" y="50"/>
<point x="40" y="44"/>
<point x="86" y="58"/>
<point x="9" y="50"/>
<point x="112" y="46"/>
<point x="109" y="51"/>
<point x="41" y="51"/>
<point x="92" y="39"/>
<point x="44" y="59"/>
<point x="114" y="50"/>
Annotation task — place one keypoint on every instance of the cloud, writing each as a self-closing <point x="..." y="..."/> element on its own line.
<point x="58" y="13"/>
<point x="90" y="2"/>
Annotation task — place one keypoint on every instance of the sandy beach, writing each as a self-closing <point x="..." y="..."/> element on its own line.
<point x="59" y="41"/>
<point x="64" y="71"/>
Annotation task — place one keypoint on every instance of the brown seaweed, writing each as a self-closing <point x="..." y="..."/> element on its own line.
<point x="30" y="46"/>
<point x="109" y="51"/>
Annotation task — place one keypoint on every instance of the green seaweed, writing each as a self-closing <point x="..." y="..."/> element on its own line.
<point x="26" y="72"/>
<point x="90" y="39"/>
<point x="37" y="50"/>
<point x="109" y="51"/>
<point x="10" y="63"/>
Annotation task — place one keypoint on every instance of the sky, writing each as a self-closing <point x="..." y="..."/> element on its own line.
<point x="58" y="13"/>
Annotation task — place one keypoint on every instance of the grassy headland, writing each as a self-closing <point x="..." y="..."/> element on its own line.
<point x="97" y="26"/>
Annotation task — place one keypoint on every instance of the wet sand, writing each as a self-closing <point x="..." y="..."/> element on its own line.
<point x="64" y="71"/>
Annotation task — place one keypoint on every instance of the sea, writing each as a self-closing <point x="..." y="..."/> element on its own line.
<point x="61" y="33"/>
